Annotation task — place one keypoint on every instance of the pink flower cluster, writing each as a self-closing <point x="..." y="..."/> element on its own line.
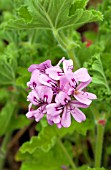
<point x="57" y="92"/>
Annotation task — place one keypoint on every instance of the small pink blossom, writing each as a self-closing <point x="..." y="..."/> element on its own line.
<point x="58" y="92"/>
<point x="41" y="67"/>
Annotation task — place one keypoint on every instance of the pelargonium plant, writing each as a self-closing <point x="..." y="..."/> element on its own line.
<point x="58" y="92"/>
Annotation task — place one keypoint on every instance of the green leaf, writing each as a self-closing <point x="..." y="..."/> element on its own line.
<point x="80" y="128"/>
<point x="23" y="78"/>
<point x="7" y="76"/>
<point x="95" y="65"/>
<point x="4" y="95"/>
<point x="44" y="141"/>
<point x="78" y="4"/>
<point x="52" y="160"/>
<point x="53" y="14"/>
<point x="23" y="13"/>
<point x="6" y="115"/>
<point x="95" y="169"/>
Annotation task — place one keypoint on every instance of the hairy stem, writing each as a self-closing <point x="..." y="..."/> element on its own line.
<point x="99" y="145"/>
<point x="67" y="154"/>
<point x="64" y="43"/>
<point x="74" y="59"/>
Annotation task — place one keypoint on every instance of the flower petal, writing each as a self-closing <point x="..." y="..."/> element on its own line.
<point x="83" y="84"/>
<point x="45" y="80"/>
<point x="82" y="75"/>
<point x="81" y="97"/>
<point x="54" y="119"/>
<point x="54" y="72"/>
<point x="66" y="118"/>
<point x="41" y="67"/>
<point x="71" y="78"/>
<point x="67" y="65"/>
<point x="75" y="103"/>
<point x="78" y="115"/>
<point x="30" y="114"/>
<point x="65" y="86"/>
<point x="53" y="109"/>
<point x="62" y="98"/>
<point x="40" y="113"/>
<point x="34" y="81"/>
<point x="90" y="95"/>
<point x="33" y="97"/>
<point x="45" y="93"/>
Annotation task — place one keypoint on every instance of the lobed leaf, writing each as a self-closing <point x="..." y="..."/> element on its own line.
<point x="53" y="14"/>
<point x="99" y="77"/>
<point x="44" y="141"/>
<point x="55" y="159"/>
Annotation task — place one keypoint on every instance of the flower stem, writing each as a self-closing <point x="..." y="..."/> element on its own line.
<point x="33" y="36"/>
<point x="67" y="154"/>
<point x="99" y="145"/>
<point x="3" y="149"/>
<point x="74" y="59"/>
<point x="63" y="42"/>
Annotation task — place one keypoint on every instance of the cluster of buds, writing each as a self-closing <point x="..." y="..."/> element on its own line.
<point x="57" y="92"/>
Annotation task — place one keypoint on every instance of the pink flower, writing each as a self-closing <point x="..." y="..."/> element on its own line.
<point x="82" y="96"/>
<point x="40" y="97"/>
<point x="61" y="111"/>
<point x="41" y="67"/>
<point x="57" y="91"/>
<point x="34" y="82"/>
<point x="56" y="72"/>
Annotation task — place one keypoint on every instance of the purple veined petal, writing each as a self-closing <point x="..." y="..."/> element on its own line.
<point x="67" y="65"/>
<point x="54" y="119"/>
<point x="50" y="122"/>
<point x="45" y="93"/>
<point x="65" y="86"/>
<point x="82" y="85"/>
<point x="30" y="113"/>
<point x="45" y="80"/>
<point x="90" y="95"/>
<point x="82" y="75"/>
<point x="33" y="97"/>
<point x="63" y="82"/>
<point x="75" y="103"/>
<point x="41" y="67"/>
<point x="34" y="79"/>
<point x="78" y="115"/>
<point x="81" y="97"/>
<point x="54" y="72"/>
<point x="66" y="118"/>
<point x="32" y="67"/>
<point x="62" y="98"/>
<point x="40" y="113"/>
<point x="71" y="78"/>
<point x="54" y="109"/>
